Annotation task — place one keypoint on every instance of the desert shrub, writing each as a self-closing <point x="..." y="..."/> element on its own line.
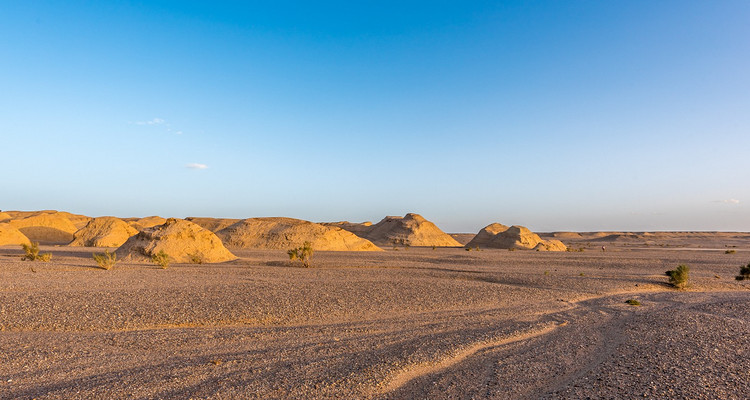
<point x="303" y="254"/>
<point x="744" y="273"/>
<point x="730" y="251"/>
<point x="679" y="277"/>
<point x="633" y="302"/>
<point x="105" y="260"/>
<point x="512" y="249"/>
<point x="468" y="249"/>
<point x="161" y="259"/>
<point x="434" y="247"/>
<point x="32" y="253"/>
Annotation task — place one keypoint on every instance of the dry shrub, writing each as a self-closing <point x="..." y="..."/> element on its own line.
<point x="32" y="253"/>
<point x="105" y="260"/>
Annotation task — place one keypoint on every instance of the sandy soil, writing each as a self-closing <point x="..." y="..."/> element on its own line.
<point x="416" y="323"/>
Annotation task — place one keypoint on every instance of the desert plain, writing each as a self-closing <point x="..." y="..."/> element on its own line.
<point x="408" y="322"/>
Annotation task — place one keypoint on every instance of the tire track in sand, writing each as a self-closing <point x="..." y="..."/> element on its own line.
<point x="416" y="371"/>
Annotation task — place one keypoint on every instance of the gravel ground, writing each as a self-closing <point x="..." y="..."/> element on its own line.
<point x="416" y="323"/>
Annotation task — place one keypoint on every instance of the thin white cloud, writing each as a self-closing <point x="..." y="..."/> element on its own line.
<point x="728" y="201"/>
<point x="155" y="121"/>
<point x="196" y="166"/>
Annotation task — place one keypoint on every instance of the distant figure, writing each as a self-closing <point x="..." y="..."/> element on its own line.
<point x="604" y="248"/>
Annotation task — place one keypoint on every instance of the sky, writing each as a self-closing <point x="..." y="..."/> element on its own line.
<point x="555" y="115"/>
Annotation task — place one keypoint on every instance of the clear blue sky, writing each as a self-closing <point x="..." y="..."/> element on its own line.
<point x="557" y="115"/>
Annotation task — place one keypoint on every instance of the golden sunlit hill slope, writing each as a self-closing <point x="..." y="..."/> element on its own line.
<point x="10" y="235"/>
<point x="104" y="232"/>
<point x="286" y="233"/>
<point x="412" y="230"/>
<point x="486" y="234"/>
<point x="182" y="240"/>
<point x="47" y="228"/>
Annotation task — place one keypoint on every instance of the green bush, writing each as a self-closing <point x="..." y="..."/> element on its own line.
<point x="303" y="254"/>
<point x="32" y="253"/>
<point x="744" y="273"/>
<point x="161" y="259"/>
<point x="679" y="277"/>
<point x="730" y="251"/>
<point x="633" y="302"/>
<point x="105" y="260"/>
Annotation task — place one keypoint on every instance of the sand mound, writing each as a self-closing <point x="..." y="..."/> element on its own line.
<point x="517" y="237"/>
<point x="286" y="233"/>
<point x="10" y="235"/>
<point x="104" y="232"/>
<point x="182" y="240"/>
<point x="486" y="235"/>
<point x="4" y="216"/>
<point x="412" y="229"/>
<point x="48" y="228"/>
<point x="213" y="224"/>
<point x="550" y="245"/>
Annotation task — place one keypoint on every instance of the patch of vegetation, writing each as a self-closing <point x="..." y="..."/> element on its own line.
<point x="303" y="254"/>
<point x="679" y="277"/>
<point x="546" y="272"/>
<point x="744" y="273"/>
<point x="512" y="249"/>
<point x="105" y="260"/>
<point x="32" y="253"/>
<point x="633" y="302"/>
<point x="730" y="251"/>
<point x="161" y="259"/>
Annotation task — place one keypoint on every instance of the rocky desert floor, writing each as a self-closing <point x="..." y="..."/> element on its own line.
<point x="399" y="324"/>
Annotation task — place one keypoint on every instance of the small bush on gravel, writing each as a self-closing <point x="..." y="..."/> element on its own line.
<point x="303" y="254"/>
<point x="633" y="302"/>
<point x="161" y="259"/>
<point x="730" y="251"/>
<point x="32" y="253"/>
<point x="105" y="260"/>
<point x="679" y="277"/>
<point x="744" y="273"/>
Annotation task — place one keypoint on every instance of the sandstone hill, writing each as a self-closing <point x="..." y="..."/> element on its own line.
<point x="146" y="222"/>
<point x="486" y="234"/>
<point x="411" y="229"/>
<point x="286" y="233"/>
<point x="182" y="240"/>
<point x="104" y="232"/>
<point x="48" y="228"/>
<point x="10" y="235"/>
<point x="551" y="245"/>
<point x="515" y="237"/>
<point x="359" y="229"/>
<point x="213" y="224"/>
